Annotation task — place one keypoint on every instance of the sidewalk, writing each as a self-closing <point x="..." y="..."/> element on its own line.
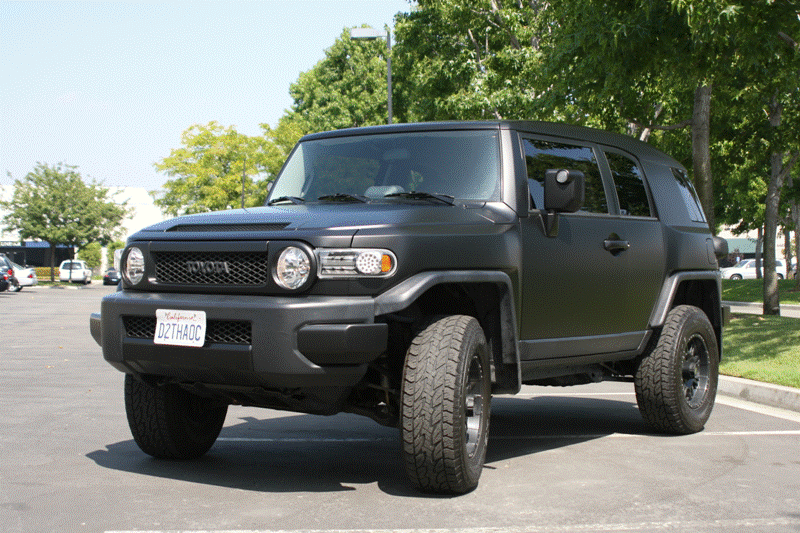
<point x="757" y="308"/>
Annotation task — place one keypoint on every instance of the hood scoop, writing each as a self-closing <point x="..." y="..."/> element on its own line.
<point x="273" y="226"/>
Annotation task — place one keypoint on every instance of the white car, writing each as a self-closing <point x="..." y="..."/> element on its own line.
<point x="26" y="277"/>
<point x="746" y="269"/>
<point x="75" y="270"/>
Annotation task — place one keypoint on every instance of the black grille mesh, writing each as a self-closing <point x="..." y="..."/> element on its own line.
<point x="217" y="331"/>
<point x="211" y="268"/>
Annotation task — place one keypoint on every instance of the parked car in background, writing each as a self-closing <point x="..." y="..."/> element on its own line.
<point x="25" y="276"/>
<point x="7" y="273"/>
<point x="111" y="277"/>
<point x="75" y="270"/>
<point x="746" y="269"/>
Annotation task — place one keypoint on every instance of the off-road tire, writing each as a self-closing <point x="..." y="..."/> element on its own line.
<point x="676" y="382"/>
<point x="170" y="423"/>
<point x="445" y="408"/>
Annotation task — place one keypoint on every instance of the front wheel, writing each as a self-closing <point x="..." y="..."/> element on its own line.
<point x="170" y="423"/>
<point x="676" y="383"/>
<point x="446" y="402"/>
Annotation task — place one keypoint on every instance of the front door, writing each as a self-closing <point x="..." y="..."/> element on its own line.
<point x="589" y="289"/>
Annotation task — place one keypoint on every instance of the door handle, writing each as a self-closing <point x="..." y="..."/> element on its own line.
<point x="616" y="246"/>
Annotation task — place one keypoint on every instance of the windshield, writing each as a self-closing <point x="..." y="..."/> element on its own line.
<point x="460" y="164"/>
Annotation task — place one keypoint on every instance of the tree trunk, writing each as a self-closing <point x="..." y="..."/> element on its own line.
<point x="701" y="157"/>
<point x="759" y="252"/>
<point x="52" y="262"/>
<point x="772" y="301"/>
<point x="771" y="294"/>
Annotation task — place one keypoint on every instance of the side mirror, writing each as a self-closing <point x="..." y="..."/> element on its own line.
<point x="564" y="190"/>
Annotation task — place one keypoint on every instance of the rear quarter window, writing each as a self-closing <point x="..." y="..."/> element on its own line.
<point x="689" y="196"/>
<point x="629" y="184"/>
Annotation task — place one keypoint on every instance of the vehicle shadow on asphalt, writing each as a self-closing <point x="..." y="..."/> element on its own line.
<point x="306" y="453"/>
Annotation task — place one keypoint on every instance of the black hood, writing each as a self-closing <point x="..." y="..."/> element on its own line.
<point x="342" y="218"/>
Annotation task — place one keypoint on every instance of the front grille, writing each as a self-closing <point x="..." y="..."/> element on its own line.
<point x="217" y="331"/>
<point x="211" y="268"/>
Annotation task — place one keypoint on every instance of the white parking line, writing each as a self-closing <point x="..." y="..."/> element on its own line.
<point x="561" y="436"/>
<point x="673" y="525"/>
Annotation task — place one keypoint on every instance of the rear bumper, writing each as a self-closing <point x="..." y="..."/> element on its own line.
<point x="286" y="342"/>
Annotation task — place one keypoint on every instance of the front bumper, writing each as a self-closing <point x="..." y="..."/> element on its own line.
<point x="289" y="342"/>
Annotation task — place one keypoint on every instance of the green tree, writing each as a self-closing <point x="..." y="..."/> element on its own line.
<point x="281" y="140"/>
<point x="113" y="247"/>
<point x="54" y="205"/>
<point x="216" y="168"/>
<point x="346" y="89"/>
<point x="91" y="253"/>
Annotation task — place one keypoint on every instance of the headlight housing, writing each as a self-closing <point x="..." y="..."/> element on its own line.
<point x="292" y="269"/>
<point x="133" y="269"/>
<point x="356" y="263"/>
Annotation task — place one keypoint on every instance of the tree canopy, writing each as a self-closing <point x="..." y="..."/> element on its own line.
<point x="53" y="204"/>
<point x="216" y="168"/>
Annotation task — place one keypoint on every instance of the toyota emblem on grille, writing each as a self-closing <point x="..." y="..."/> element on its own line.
<point x="207" y="267"/>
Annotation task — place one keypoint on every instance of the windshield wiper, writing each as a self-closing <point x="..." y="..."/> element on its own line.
<point x="343" y="197"/>
<point x="419" y="195"/>
<point x="294" y="199"/>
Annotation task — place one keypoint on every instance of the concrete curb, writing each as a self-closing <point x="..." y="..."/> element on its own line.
<point x="762" y="393"/>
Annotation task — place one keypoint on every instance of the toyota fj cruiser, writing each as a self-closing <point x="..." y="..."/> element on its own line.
<point x="407" y="273"/>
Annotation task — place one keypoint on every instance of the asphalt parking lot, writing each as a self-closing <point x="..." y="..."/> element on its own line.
<point x="573" y="459"/>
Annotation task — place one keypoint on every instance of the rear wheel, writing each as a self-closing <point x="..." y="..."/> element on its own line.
<point x="14" y="285"/>
<point x="170" y="423"/>
<point x="676" y="383"/>
<point x="446" y="402"/>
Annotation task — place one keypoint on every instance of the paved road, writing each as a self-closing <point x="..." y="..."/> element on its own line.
<point x="574" y="459"/>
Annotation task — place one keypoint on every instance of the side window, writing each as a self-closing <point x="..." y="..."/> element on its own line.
<point x="689" y="196"/>
<point x="629" y="183"/>
<point x="543" y="155"/>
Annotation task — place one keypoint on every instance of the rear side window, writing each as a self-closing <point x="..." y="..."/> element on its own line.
<point x="629" y="183"/>
<point x="543" y="155"/>
<point x="689" y="196"/>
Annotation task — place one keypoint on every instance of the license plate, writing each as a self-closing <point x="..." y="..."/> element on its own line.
<point x="180" y="328"/>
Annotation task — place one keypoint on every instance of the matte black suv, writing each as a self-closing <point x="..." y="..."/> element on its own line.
<point x="407" y="273"/>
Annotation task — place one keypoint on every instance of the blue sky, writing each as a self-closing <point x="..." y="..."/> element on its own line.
<point x="110" y="86"/>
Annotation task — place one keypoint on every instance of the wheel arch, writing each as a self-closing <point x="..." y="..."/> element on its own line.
<point x="486" y="295"/>
<point x="702" y="289"/>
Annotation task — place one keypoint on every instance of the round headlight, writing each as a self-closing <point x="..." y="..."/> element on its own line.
<point x="293" y="268"/>
<point x="134" y="266"/>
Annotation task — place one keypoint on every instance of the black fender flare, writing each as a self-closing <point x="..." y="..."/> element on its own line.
<point x="402" y="295"/>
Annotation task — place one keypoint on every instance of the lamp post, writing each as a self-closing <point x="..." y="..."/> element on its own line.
<point x="371" y="34"/>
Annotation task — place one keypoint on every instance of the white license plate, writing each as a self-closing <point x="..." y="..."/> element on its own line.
<point x="180" y="328"/>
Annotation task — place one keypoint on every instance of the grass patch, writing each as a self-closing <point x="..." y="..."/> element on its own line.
<point x="752" y="290"/>
<point x="762" y="348"/>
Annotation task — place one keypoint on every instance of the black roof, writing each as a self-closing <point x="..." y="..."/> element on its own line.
<point x="554" y="129"/>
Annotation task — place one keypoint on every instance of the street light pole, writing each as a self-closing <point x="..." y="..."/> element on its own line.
<point x="371" y="34"/>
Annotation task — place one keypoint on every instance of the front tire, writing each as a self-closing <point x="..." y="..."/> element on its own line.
<point x="168" y="422"/>
<point x="676" y="383"/>
<point x="446" y="401"/>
